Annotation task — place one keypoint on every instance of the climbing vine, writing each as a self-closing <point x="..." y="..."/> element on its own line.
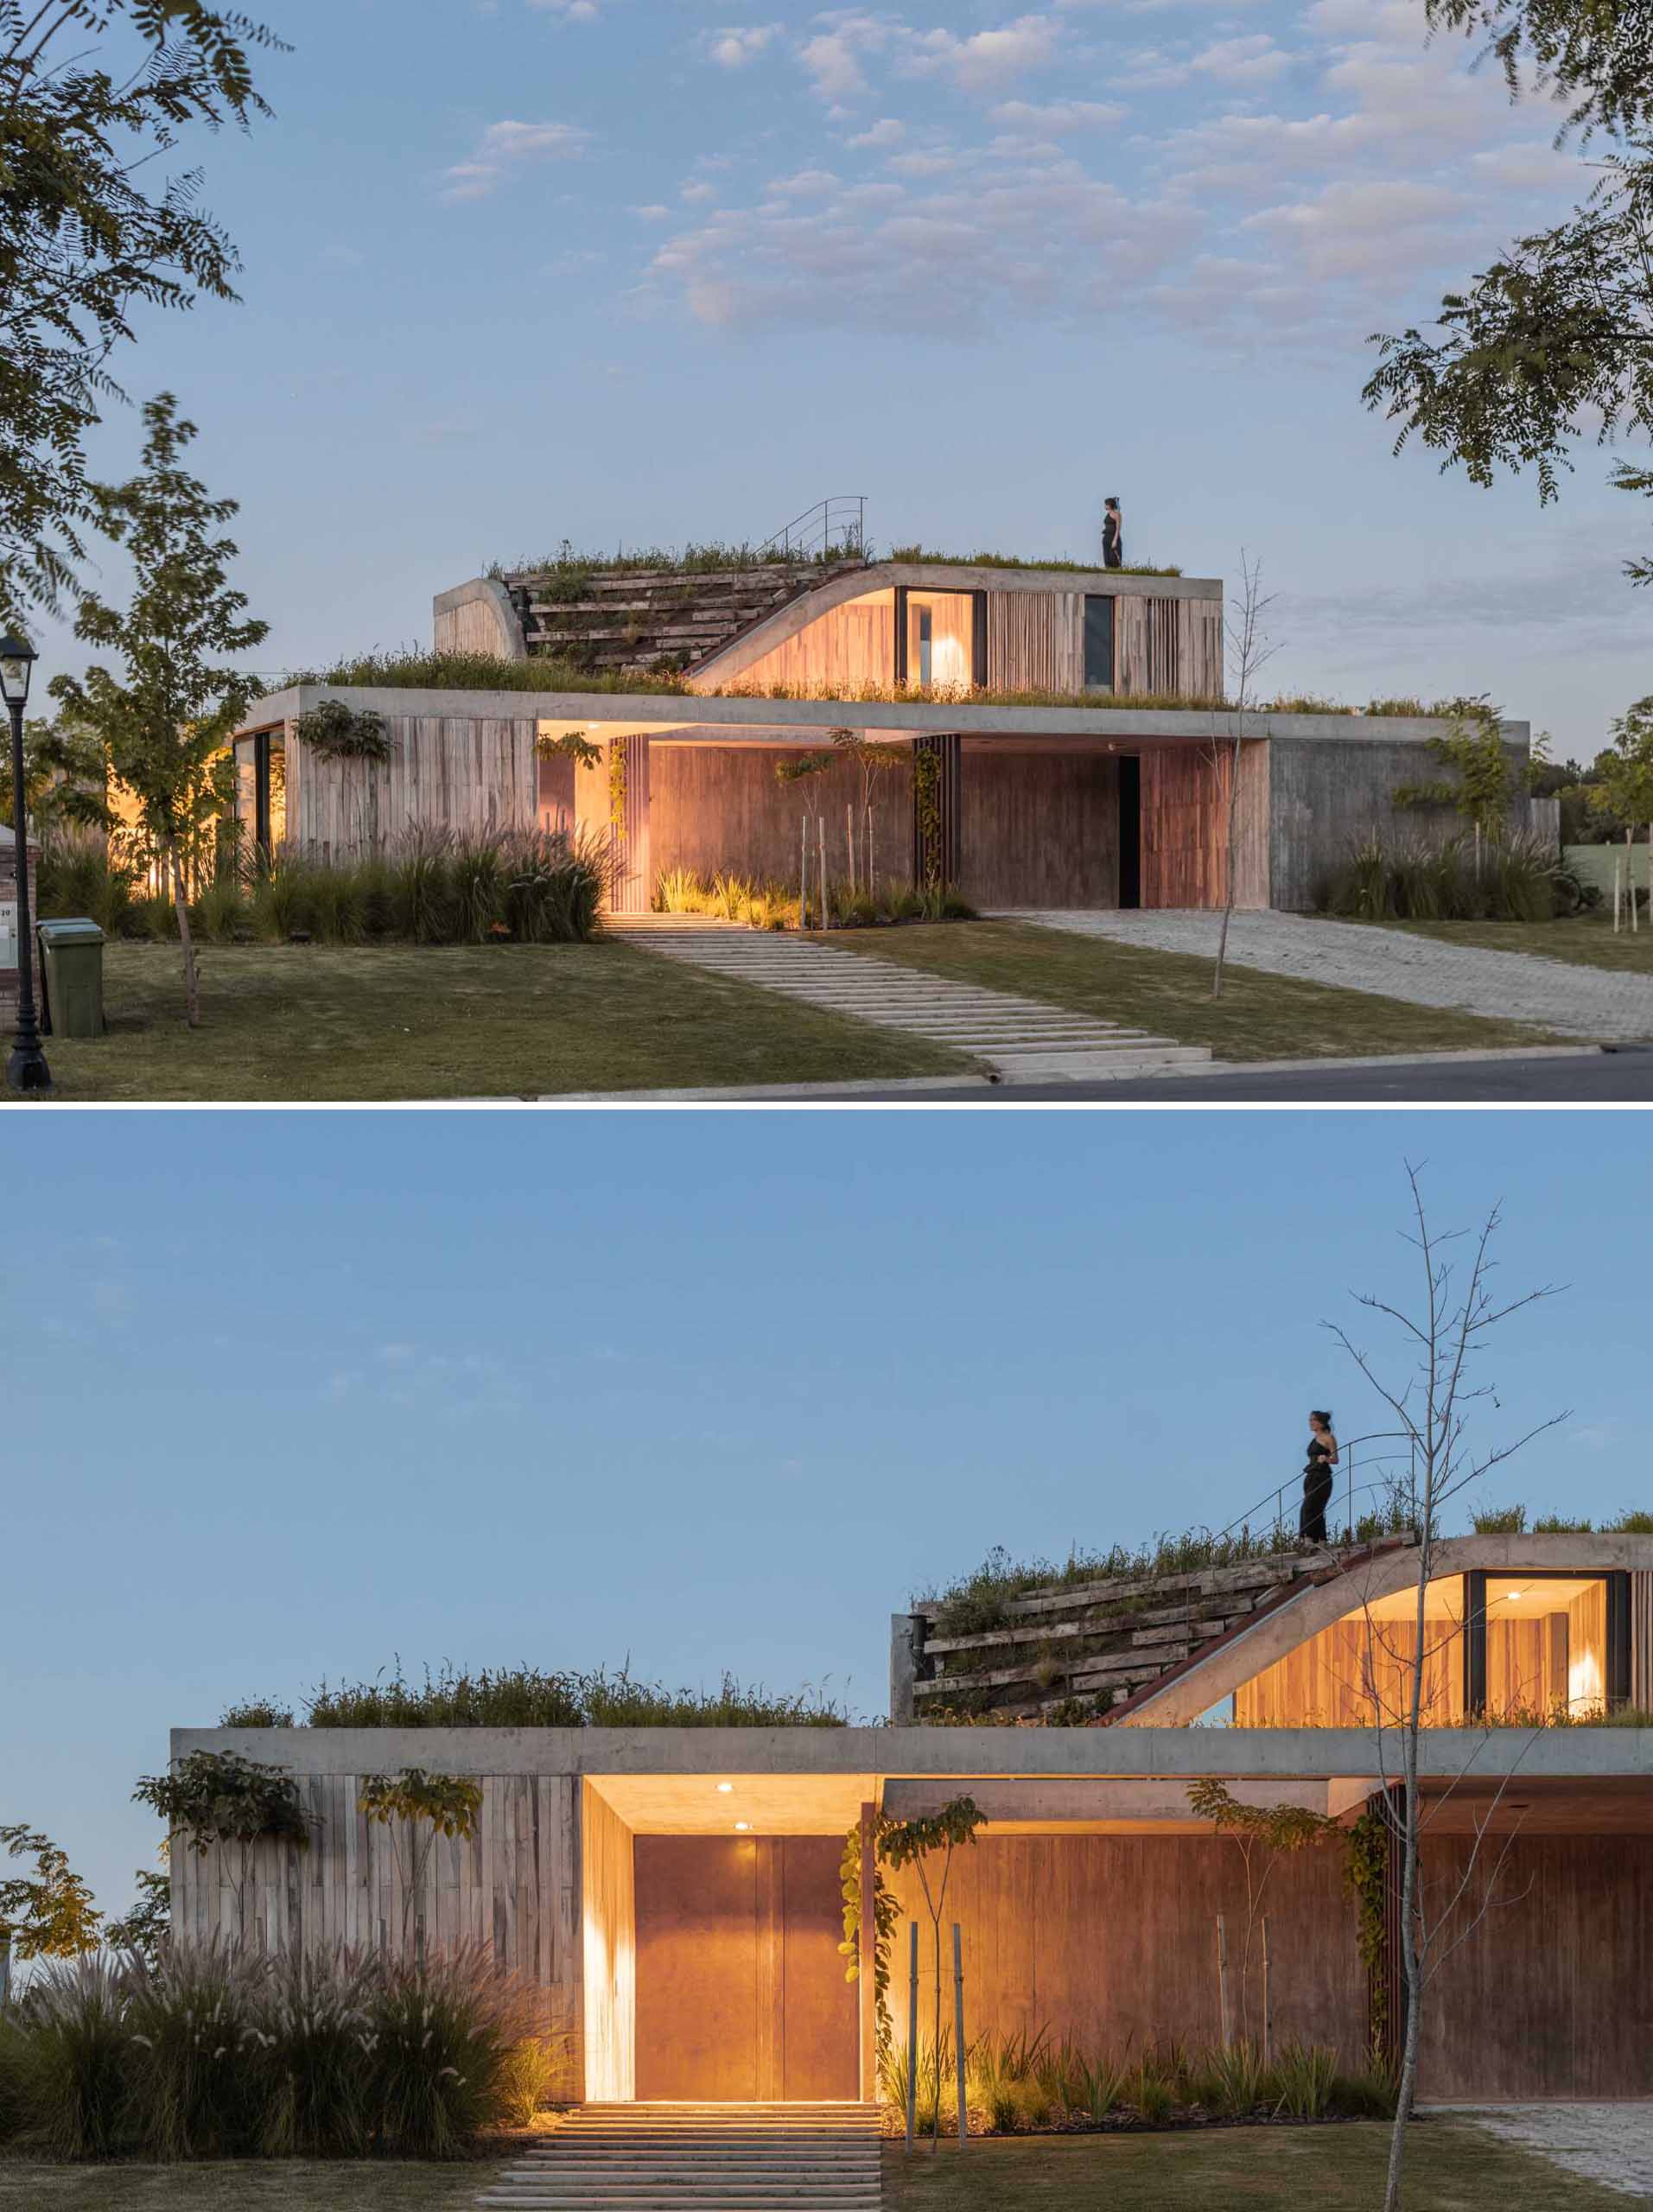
<point x="886" y="1913"/>
<point x="926" y="804"/>
<point x="1366" y="1875"/>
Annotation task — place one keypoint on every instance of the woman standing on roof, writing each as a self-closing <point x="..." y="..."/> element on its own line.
<point x="1318" y="1478"/>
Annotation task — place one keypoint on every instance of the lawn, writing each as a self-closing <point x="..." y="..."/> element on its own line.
<point x="1169" y="994"/>
<point x="1587" y="938"/>
<point x="1332" y="2168"/>
<point x="307" y="1022"/>
<point x="244" y="2185"/>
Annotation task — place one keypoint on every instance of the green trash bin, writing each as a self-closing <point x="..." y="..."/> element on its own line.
<point x="72" y="976"/>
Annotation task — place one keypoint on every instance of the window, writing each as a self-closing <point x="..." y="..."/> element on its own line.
<point x="1098" y="643"/>
<point x="940" y="639"/>
<point x="1547" y="1644"/>
<point x="261" y="791"/>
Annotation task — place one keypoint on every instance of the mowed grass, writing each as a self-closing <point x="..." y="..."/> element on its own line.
<point x="245" y="2185"/>
<point x="313" y="1022"/>
<point x="1587" y="938"/>
<point x="1449" y="2168"/>
<point x="1169" y="994"/>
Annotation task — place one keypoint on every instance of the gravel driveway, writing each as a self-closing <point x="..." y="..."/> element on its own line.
<point x="1610" y="2143"/>
<point x="1561" y="995"/>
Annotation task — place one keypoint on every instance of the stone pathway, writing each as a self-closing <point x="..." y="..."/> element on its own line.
<point x="689" y="2157"/>
<point x="1027" y="1038"/>
<point x="1561" y="996"/>
<point x="1610" y="2143"/>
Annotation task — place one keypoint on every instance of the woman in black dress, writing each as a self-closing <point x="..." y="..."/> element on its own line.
<point x="1113" y="534"/>
<point x="1318" y="1478"/>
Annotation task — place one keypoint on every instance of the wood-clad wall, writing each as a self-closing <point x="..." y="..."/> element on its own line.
<point x="514" y="1886"/>
<point x="1171" y="647"/>
<point x="629" y="837"/>
<point x="1350" y="1676"/>
<point x="848" y="646"/>
<point x="722" y="807"/>
<point x="465" y="773"/>
<point x="610" y="1956"/>
<point x="1552" y="1995"/>
<point x="1038" y="828"/>
<point x="1112" y="1939"/>
<point x="1184" y="819"/>
<point x="740" y="1990"/>
<point x="1035" y="640"/>
<point x="1641" y="1640"/>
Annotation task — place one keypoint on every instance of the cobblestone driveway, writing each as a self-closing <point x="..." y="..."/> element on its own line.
<point x="1611" y="2144"/>
<point x="1561" y="995"/>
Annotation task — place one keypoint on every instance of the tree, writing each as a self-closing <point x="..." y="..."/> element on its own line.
<point x="1553" y="339"/>
<point x="93" y="228"/>
<point x="1622" y="784"/>
<point x="1434" y="1399"/>
<point x="218" y="1799"/>
<point x="422" y="1807"/>
<point x="909" y="1843"/>
<point x="1263" y="1834"/>
<point x="802" y="769"/>
<point x="1485" y="782"/>
<point x="66" y="777"/>
<point x="873" y="758"/>
<point x="166" y="727"/>
<point x="47" y="1914"/>
<point x="145" y="1928"/>
<point x="1249" y="649"/>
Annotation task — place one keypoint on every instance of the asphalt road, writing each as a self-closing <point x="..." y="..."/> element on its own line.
<point x="1623" y="1077"/>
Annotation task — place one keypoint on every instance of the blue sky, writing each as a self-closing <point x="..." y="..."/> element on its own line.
<point x="288" y="1395"/>
<point x="644" y="270"/>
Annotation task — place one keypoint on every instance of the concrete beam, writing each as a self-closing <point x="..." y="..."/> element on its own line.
<point x="1273" y="1754"/>
<point x="1059" y="1804"/>
<point x="705" y="717"/>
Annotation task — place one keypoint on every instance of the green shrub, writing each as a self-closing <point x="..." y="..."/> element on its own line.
<point x="221" y="912"/>
<point x="257" y="1713"/>
<point x="1499" y="1520"/>
<point x="79" y="875"/>
<point x="1303" y="2077"/>
<point x="1631" y="1524"/>
<point x="529" y="1697"/>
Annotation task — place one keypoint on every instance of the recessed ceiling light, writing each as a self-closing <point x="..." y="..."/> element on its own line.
<point x="743" y="1825"/>
<point x="725" y="1787"/>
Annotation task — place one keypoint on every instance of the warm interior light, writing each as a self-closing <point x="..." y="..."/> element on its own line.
<point x="725" y="1787"/>
<point x="743" y="1826"/>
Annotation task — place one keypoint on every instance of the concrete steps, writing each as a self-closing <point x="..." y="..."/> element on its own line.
<point x="700" y="2158"/>
<point x="1015" y="1036"/>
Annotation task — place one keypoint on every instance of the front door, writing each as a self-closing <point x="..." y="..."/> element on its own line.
<point x="741" y="1993"/>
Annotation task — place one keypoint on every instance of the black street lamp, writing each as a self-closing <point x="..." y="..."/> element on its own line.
<point x="25" y="1069"/>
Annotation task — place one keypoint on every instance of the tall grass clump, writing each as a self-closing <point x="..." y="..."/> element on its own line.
<point x="428" y="887"/>
<point x="191" y="2037"/>
<point x="71" y="2052"/>
<point x="532" y="1697"/>
<point x="80" y="875"/>
<point x="1512" y="879"/>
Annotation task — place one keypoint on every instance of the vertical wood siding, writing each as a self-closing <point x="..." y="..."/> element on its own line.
<point x="631" y="837"/>
<point x="1185" y="812"/>
<point x="466" y="774"/>
<point x="722" y="807"/>
<point x="610" y="1953"/>
<point x="1641" y="1640"/>
<point x="1168" y="647"/>
<point x="514" y="1886"/>
<point x="1038" y="828"/>
<point x="850" y="644"/>
<point x="1035" y="640"/>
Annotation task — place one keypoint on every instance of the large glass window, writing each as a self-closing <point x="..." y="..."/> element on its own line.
<point x="941" y="638"/>
<point x="1358" y="1671"/>
<point x="261" y="792"/>
<point x="1547" y="1644"/>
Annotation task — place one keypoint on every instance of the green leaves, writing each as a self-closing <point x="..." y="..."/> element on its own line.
<point x="449" y="1802"/>
<point x="905" y="1843"/>
<point x="220" y="1797"/>
<point x="1277" y="1828"/>
<point x="336" y="731"/>
<point x="1622" y="784"/>
<point x="84" y="242"/>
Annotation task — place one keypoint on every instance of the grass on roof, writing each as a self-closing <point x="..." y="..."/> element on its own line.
<point x="536" y="1697"/>
<point x="1015" y="560"/>
<point x="711" y="558"/>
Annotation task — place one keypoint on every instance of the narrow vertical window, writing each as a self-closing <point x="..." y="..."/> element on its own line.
<point x="927" y="645"/>
<point x="1098" y="643"/>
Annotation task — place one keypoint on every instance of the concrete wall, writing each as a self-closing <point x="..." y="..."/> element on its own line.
<point x="1328" y="795"/>
<point x="478" y="617"/>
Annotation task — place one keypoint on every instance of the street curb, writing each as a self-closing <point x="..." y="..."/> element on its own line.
<point x="759" y="1090"/>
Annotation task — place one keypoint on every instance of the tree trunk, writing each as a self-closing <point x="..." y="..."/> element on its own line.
<point x="180" y="907"/>
<point x="1410" y="1960"/>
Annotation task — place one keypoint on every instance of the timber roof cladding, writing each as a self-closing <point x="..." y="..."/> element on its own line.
<point x="615" y="619"/>
<point x="1101" y="1645"/>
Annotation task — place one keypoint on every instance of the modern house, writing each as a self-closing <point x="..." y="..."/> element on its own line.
<point x="675" y="1893"/>
<point x="1080" y="756"/>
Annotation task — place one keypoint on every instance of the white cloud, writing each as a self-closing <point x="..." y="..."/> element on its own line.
<point x="1242" y="60"/>
<point x="808" y="184"/>
<point x="568" y="11"/>
<point x="935" y="162"/>
<point x="504" y="146"/>
<point x="697" y="189"/>
<point x="986" y="59"/>
<point x="654" y="213"/>
<point x="735" y="48"/>
<point x="1058" y="115"/>
<point x="833" y="57"/>
<point x="887" y="131"/>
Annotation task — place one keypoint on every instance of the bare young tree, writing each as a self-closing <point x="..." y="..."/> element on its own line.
<point x="1250" y="648"/>
<point x="1434" y="1397"/>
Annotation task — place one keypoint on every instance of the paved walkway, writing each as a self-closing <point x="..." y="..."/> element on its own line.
<point x="1611" y="2144"/>
<point x="1561" y="996"/>
<point x="1027" y="1038"/>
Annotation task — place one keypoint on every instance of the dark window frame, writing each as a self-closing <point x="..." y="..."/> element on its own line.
<point x="1617" y="1656"/>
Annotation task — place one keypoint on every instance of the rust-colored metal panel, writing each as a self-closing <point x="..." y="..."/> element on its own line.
<point x="740" y="1991"/>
